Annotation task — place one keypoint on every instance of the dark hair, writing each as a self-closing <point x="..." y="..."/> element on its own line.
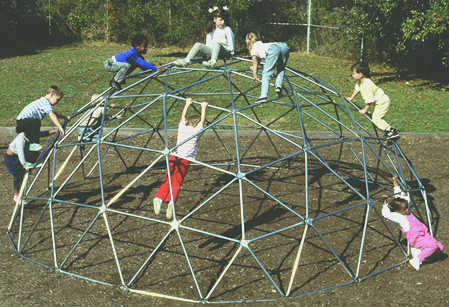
<point x="215" y="14"/>
<point x="138" y="39"/>
<point x="396" y="204"/>
<point x="361" y="67"/>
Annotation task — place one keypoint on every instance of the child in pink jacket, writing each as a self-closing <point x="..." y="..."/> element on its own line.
<point x="421" y="241"/>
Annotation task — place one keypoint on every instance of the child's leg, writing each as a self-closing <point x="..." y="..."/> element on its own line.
<point x="282" y="61"/>
<point x="426" y="252"/>
<point x="120" y="68"/>
<point x="16" y="169"/>
<point x="31" y="127"/>
<point x="164" y="190"/>
<point x="198" y="47"/>
<point x="216" y="47"/>
<point x="180" y="171"/>
<point x="268" y="68"/>
<point x="380" y="110"/>
<point x="415" y="251"/>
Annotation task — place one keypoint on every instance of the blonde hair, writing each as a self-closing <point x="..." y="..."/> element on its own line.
<point x="251" y="38"/>
<point x="53" y="89"/>
<point x="193" y="120"/>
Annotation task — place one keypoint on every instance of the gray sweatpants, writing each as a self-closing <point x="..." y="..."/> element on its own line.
<point x="119" y="68"/>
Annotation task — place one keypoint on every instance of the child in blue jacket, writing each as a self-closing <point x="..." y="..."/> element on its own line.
<point x="125" y="62"/>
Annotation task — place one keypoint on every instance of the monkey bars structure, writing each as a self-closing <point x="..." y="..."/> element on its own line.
<point x="282" y="201"/>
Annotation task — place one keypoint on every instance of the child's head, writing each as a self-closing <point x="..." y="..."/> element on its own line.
<point x="140" y="42"/>
<point x="193" y="120"/>
<point x="360" y="70"/>
<point x="251" y="38"/>
<point x="54" y="94"/>
<point x="398" y="205"/>
<point x="220" y="17"/>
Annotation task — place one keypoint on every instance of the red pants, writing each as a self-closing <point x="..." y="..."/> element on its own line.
<point x="178" y="170"/>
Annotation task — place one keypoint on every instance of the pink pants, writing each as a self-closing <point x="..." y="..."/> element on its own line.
<point x="178" y="170"/>
<point x="427" y="245"/>
<point x="419" y="237"/>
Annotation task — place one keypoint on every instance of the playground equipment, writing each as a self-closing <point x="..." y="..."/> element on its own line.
<point x="282" y="201"/>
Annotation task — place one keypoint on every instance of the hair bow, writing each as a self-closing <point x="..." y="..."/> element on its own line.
<point x="213" y="9"/>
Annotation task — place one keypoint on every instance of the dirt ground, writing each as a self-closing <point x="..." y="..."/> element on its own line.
<point x="26" y="284"/>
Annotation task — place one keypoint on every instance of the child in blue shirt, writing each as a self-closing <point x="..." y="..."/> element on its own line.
<point x="29" y="119"/>
<point x="125" y="62"/>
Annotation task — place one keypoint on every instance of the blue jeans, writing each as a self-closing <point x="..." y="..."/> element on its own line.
<point x="16" y="169"/>
<point x="88" y="134"/>
<point x="277" y="56"/>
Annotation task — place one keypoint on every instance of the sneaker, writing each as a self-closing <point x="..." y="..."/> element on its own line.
<point x="181" y="62"/>
<point x="18" y="199"/>
<point x="415" y="263"/>
<point x="115" y="85"/>
<point x="278" y="91"/>
<point x="392" y="133"/>
<point x="210" y="63"/>
<point x="35" y="147"/>
<point x="157" y="202"/>
<point x="261" y="99"/>
<point x="169" y="213"/>
<point x="30" y="165"/>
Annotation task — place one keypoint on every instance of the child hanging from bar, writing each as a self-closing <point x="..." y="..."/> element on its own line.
<point x="188" y="126"/>
<point x="421" y="241"/>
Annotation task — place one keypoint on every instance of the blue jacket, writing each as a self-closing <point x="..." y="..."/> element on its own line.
<point x="134" y="58"/>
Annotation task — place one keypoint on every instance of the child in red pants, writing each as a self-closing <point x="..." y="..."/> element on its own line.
<point x="187" y="128"/>
<point x="421" y="241"/>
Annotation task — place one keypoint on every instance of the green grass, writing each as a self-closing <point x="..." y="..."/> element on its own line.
<point x="417" y="105"/>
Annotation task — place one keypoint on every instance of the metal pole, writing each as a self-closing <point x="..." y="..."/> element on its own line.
<point x="361" y="49"/>
<point x="309" y="22"/>
<point x="49" y="17"/>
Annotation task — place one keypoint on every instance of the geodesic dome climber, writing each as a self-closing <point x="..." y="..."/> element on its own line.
<point x="281" y="201"/>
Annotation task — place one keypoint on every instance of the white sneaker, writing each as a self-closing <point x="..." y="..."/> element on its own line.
<point x="157" y="202"/>
<point x="35" y="147"/>
<point x="415" y="263"/>
<point x="210" y="63"/>
<point x="181" y="62"/>
<point x="169" y="213"/>
<point x="18" y="199"/>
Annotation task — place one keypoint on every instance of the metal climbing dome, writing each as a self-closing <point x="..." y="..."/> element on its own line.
<point x="282" y="201"/>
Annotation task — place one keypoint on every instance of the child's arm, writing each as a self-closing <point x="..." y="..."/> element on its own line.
<point x="395" y="217"/>
<point x="203" y="113"/>
<point x="253" y="68"/>
<point x="140" y="61"/>
<point x="398" y="191"/>
<point x="230" y="39"/>
<point x="186" y="107"/>
<point x="354" y="93"/>
<point x="365" y="108"/>
<point x="54" y="119"/>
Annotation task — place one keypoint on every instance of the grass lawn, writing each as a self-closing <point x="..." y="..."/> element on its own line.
<point x="417" y="105"/>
